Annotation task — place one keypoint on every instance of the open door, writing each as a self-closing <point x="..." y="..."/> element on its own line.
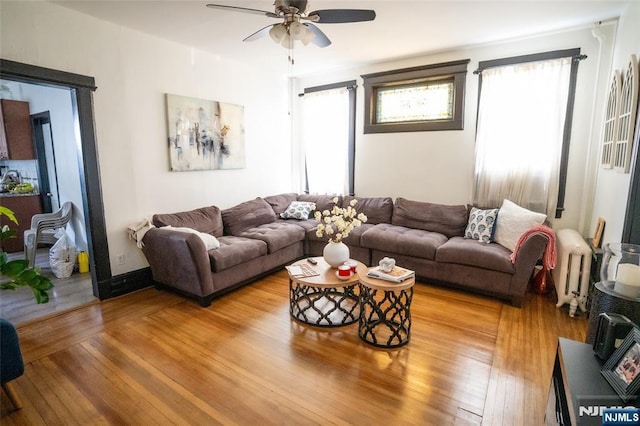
<point x="47" y="175"/>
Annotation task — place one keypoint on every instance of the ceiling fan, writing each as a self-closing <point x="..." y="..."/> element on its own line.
<point x="293" y="13"/>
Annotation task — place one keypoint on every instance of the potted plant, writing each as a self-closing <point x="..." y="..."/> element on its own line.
<point x="16" y="273"/>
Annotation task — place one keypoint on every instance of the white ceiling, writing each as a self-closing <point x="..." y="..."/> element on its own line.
<point x="401" y="28"/>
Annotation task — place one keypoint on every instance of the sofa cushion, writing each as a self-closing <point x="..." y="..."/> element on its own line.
<point x="377" y="210"/>
<point x="513" y="221"/>
<point x="481" y="225"/>
<point x="247" y="215"/>
<point x="448" y="220"/>
<point x="277" y="235"/>
<point x="304" y="224"/>
<point x="464" y="251"/>
<point x="280" y="202"/>
<point x="323" y="202"/>
<point x="210" y="242"/>
<point x="234" y="251"/>
<point x="205" y="219"/>
<point x="298" y="210"/>
<point x="402" y="240"/>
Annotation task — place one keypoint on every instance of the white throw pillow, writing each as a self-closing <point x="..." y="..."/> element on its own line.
<point x="513" y="221"/>
<point x="210" y="242"/>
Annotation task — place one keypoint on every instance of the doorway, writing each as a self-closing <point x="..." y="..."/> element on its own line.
<point x="81" y="90"/>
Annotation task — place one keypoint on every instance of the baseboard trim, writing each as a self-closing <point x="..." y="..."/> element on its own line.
<point x="128" y="282"/>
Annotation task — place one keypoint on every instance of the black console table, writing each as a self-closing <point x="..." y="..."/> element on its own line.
<point x="577" y="388"/>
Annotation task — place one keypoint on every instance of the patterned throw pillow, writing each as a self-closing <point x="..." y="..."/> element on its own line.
<point x="298" y="210"/>
<point x="481" y="224"/>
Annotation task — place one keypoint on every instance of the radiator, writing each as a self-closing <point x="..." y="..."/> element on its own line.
<point x="573" y="267"/>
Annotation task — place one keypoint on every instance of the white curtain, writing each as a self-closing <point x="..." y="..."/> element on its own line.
<point x="325" y="135"/>
<point x="521" y="119"/>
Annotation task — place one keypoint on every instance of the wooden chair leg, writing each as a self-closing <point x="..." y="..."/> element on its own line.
<point x="13" y="396"/>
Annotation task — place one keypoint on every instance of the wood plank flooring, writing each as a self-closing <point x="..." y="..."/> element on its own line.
<point x="153" y="357"/>
<point x="19" y="306"/>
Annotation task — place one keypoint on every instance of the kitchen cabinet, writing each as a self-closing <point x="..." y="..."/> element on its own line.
<point x="16" y="139"/>
<point x="24" y="207"/>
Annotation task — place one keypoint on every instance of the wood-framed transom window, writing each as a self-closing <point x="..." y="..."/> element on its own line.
<point x="416" y="99"/>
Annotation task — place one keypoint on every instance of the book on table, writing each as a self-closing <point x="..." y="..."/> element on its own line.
<point x="397" y="274"/>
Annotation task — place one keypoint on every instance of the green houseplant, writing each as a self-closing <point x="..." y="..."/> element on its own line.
<point x="16" y="273"/>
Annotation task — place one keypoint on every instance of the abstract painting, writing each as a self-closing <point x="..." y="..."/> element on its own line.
<point x="204" y="135"/>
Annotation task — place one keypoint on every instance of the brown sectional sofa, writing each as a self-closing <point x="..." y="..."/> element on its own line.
<point x="256" y="241"/>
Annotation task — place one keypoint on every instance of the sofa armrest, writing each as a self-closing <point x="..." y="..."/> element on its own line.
<point x="179" y="260"/>
<point x="528" y="255"/>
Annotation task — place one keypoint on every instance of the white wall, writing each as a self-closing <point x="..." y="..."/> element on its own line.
<point x="133" y="71"/>
<point x="612" y="188"/>
<point x="438" y="166"/>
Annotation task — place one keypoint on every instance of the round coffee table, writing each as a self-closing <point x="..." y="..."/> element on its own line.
<point x="385" y="311"/>
<point x="324" y="300"/>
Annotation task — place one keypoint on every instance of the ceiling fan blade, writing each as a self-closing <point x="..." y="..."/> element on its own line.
<point x="243" y="9"/>
<point x="319" y="39"/>
<point x="341" y="16"/>
<point x="260" y="33"/>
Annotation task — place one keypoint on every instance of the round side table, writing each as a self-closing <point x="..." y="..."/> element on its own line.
<point x="605" y="299"/>
<point x="324" y="300"/>
<point x="385" y="311"/>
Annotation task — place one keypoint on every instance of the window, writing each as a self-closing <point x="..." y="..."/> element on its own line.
<point x="416" y="99"/>
<point x="328" y="123"/>
<point x="524" y="125"/>
<point x="626" y="116"/>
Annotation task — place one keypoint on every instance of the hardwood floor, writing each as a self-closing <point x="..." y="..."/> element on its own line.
<point x="20" y="307"/>
<point x="153" y="357"/>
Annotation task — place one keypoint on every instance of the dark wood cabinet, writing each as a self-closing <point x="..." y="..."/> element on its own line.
<point x="24" y="207"/>
<point x="16" y="140"/>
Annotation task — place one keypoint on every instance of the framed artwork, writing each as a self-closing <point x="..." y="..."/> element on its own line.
<point x="622" y="369"/>
<point x="204" y="134"/>
<point x="597" y="236"/>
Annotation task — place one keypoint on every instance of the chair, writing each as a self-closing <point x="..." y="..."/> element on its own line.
<point x="11" y="363"/>
<point x="43" y="229"/>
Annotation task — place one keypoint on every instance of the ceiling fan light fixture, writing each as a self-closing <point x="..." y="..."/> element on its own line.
<point x="301" y="32"/>
<point x="307" y="36"/>
<point x="278" y="32"/>
<point x="287" y="41"/>
<point x="296" y="29"/>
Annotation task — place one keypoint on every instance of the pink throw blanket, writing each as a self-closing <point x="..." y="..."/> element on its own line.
<point x="550" y="255"/>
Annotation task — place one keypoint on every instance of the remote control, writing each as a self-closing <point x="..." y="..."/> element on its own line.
<point x="312" y="261"/>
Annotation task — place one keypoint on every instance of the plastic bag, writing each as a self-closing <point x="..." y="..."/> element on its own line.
<point x="62" y="256"/>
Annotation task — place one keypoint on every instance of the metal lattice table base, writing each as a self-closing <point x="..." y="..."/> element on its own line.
<point x="323" y="307"/>
<point x="385" y="317"/>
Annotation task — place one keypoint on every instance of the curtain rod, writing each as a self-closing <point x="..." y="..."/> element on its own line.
<point x="528" y="58"/>
<point x="349" y="85"/>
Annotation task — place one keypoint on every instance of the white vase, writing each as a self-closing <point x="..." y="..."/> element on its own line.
<point x="335" y="254"/>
